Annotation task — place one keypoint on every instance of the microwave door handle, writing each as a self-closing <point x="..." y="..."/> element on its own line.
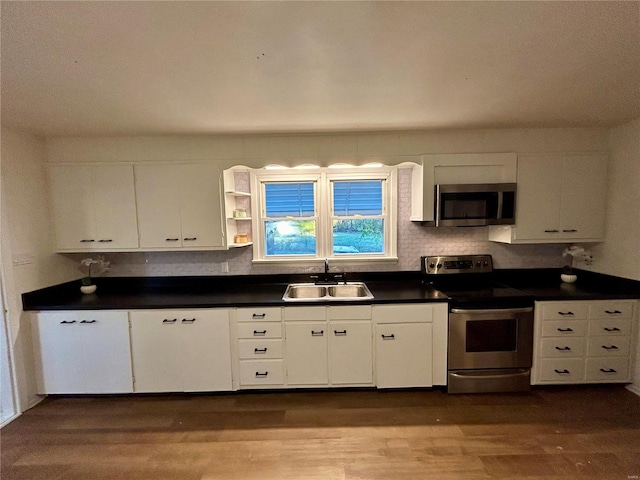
<point x="500" y="203"/>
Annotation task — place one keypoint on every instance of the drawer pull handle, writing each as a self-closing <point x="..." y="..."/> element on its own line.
<point x="565" y="330"/>
<point x="571" y="230"/>
<point x="87" y="240"/>
<point x="340" y="333"/>
<point x="562" y="372"/>
<point x="614" y="329"/>
<point x="261" y="374"/>
<point x="171" y="239"/>
<point x="66" y="322"/>
<point x="551" y="231"/>
<point x="608" y="370"/>
<point x="88" y="321"/>
<point x="105" y="240"/>
<point x="260" y="350"/>
<point x="170" y="320"/>
<point x="188" y="320"/>
<point x="565" y="349"/>
<point x="190" y="239"/>
<point x="611" y="347"/>
<point x="388" y="337"/>
<point x="317" y="333"/>
<point x="612" y="312"/>
<point x="259" y="315"/>
<point x="259" y="333"/>
<point x="566" y="313"/>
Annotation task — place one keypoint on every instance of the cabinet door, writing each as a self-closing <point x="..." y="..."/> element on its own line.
<point x="72" y="204"/>
<point x="114" y="202"/>
<point x="350" y="353"/>
<point x="206" y="350"/>
<point x="157" y="196"/>
<point x="201" y="206"/>
<point x="538" y="198"/>
<point x="306" y="353"/>
<point x="584" y="186"/>
<point x="155" y="349"/>
<point x="106" y="354"/>
<point x="404" y="355"/>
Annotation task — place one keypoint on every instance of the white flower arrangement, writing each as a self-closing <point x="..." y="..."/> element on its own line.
<point x="577" y="253"/>
<point x="93" y="267"/>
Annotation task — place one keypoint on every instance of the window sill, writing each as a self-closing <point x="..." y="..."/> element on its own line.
<point x="312" y="262"/>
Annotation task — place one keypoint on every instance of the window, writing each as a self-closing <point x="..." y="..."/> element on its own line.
<point x="310" y="216"/>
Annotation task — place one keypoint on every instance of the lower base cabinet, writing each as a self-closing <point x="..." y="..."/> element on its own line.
<point x="181" y="350"/>
<point x="82" y="352"/>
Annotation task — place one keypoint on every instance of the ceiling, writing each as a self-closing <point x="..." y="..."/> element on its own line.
<point x="126" y="68"/>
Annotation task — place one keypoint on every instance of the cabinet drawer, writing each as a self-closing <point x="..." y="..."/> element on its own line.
<point x="611" y="310"/>
<point x="350" y="312"/>
<point x="269" y="314"/>
<point x="569" y="370"/>
<point x="565" y="310"/>
<point x="562" y="347"/>
<point x="613" y="326"/>
<point x="259" y="349"/>
<point x="608" y="369"/>
<point x="564" y="328"/>
<point x="414" y="313"/>
<point x="305" y="313"/>
<point x="609" y="346"/>
<point x="260" y="330"/>
<point x="261" y="372"/>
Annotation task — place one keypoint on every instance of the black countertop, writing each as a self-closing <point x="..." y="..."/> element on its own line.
<point x="129" y="293"/>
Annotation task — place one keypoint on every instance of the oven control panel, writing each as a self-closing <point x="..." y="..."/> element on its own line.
<point x="457" y="264"/>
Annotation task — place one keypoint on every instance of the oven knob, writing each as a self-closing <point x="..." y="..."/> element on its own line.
<point x="432" y="265"/>
<point x="485" y="263"/>
<point x="439" y="265"/>
<point x="477" y="264"/>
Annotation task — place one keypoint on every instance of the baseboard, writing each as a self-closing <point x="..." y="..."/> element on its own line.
<point x="9" y="420"/>
<point x="635" y="388"/>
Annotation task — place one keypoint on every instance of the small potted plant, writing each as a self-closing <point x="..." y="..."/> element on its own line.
<point x="575" y="252"/>
<point x="92" y="267"/>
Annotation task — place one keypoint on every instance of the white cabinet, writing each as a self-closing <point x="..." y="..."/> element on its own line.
<point x="181" y="350"/>
<point x="561" y="198"/>
<point x="82" y="352"/>
<point x="179" y="206"/>
<point x="583" y="342"/>
<point x="94" y="207"/>
<point x="306" y="345"/>
<point x="350" y="345"/>
<point x="410" y="345"/>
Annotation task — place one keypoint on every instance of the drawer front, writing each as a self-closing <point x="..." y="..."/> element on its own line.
<point x="611" y="310"/>
<point x="350" y="312"/>
<point x="608" y="369"/>
<point x="564" y="328"/>
<point x="259" y="349"/>
<point x="261" y="372"/>
<point x="399" y="313"/>
<point x="269" y="314"/>
<point x="301" y="314"/>
<point x="565" y="310"/>
<point x="552" y="347"/>
<point x="609" y="346"/>
<point x="260" y="330"/>
<point x="567" y="370"/>
<point x="613" y="326"/>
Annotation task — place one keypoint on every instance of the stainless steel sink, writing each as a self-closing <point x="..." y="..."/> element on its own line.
<point x="310" y="292"/>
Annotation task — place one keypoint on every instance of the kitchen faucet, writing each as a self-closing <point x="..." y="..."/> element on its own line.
<point x="325" y="280"/>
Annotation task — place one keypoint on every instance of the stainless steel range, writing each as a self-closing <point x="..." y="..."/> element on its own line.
<point x="490" y="326"/>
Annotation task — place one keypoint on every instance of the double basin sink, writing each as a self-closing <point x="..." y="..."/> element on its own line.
<point x="311" y="292"/>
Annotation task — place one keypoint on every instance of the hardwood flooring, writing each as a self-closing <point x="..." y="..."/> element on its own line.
<point x="549" y="433"/>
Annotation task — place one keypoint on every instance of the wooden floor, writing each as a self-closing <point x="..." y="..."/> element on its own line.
<point x="550" y="433"/>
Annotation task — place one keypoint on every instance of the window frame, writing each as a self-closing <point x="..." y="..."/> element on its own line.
<point x="324" y="214"/>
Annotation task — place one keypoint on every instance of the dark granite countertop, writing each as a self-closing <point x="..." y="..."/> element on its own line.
<point x="129" y="293"/>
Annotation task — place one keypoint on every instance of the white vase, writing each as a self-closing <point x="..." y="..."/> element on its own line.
<point x="87" y="289"/>
<point x="568" y="278"/>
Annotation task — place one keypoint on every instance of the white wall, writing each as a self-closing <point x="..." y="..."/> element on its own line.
<point x="28" y="261"/>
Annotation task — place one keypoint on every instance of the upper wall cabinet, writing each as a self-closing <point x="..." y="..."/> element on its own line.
<point x="179" y="207"/>
<point x="94" y="207"/>
<point x="561" y="198"/>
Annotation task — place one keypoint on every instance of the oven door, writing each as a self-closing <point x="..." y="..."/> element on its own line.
<point x="491" y="338"/>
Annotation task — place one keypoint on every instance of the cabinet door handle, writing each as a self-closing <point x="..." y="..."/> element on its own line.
<point x="190" y="239"/>
<point x="565" y="329"/>
<point x="388" y="337"/>
<point x="566" y="313"/>
<point x="261" y="374"/>
<point x="610" y="347"/>
<point x="562" y="372"/>
<point x="570" y="230"/>
<point x="171" y="239"/>
<point x="608" y="370"/>
<point x="551" y="231"/>
<point x="67" y="322"/>
<point x="258" y="315"/>
<point x="612" y="312"/>
<point x="170" y="320"/>
<point x="317" y="333"/>
<point x="259" y="333"/>
<point x="260" y="350"/>
<point x="188" y="320"/>
<point x="340" y="333"/>
<point x="88" y="321"/>
<point x="565" y="348"/>
<point x="105" y="240"/>
<point x="87" y="240"/>
<point x="614" y="329"/>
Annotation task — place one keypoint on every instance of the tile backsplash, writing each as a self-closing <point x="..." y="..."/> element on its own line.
<point x="413" y="241"/>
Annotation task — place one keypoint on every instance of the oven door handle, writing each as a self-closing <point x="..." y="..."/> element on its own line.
<point x="493" y="310"/>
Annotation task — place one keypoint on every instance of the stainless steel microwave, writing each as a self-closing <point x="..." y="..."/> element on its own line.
<point x="471" y="205"/>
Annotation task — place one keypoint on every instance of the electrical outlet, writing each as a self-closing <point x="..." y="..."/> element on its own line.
<point x="224" y="267"/>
